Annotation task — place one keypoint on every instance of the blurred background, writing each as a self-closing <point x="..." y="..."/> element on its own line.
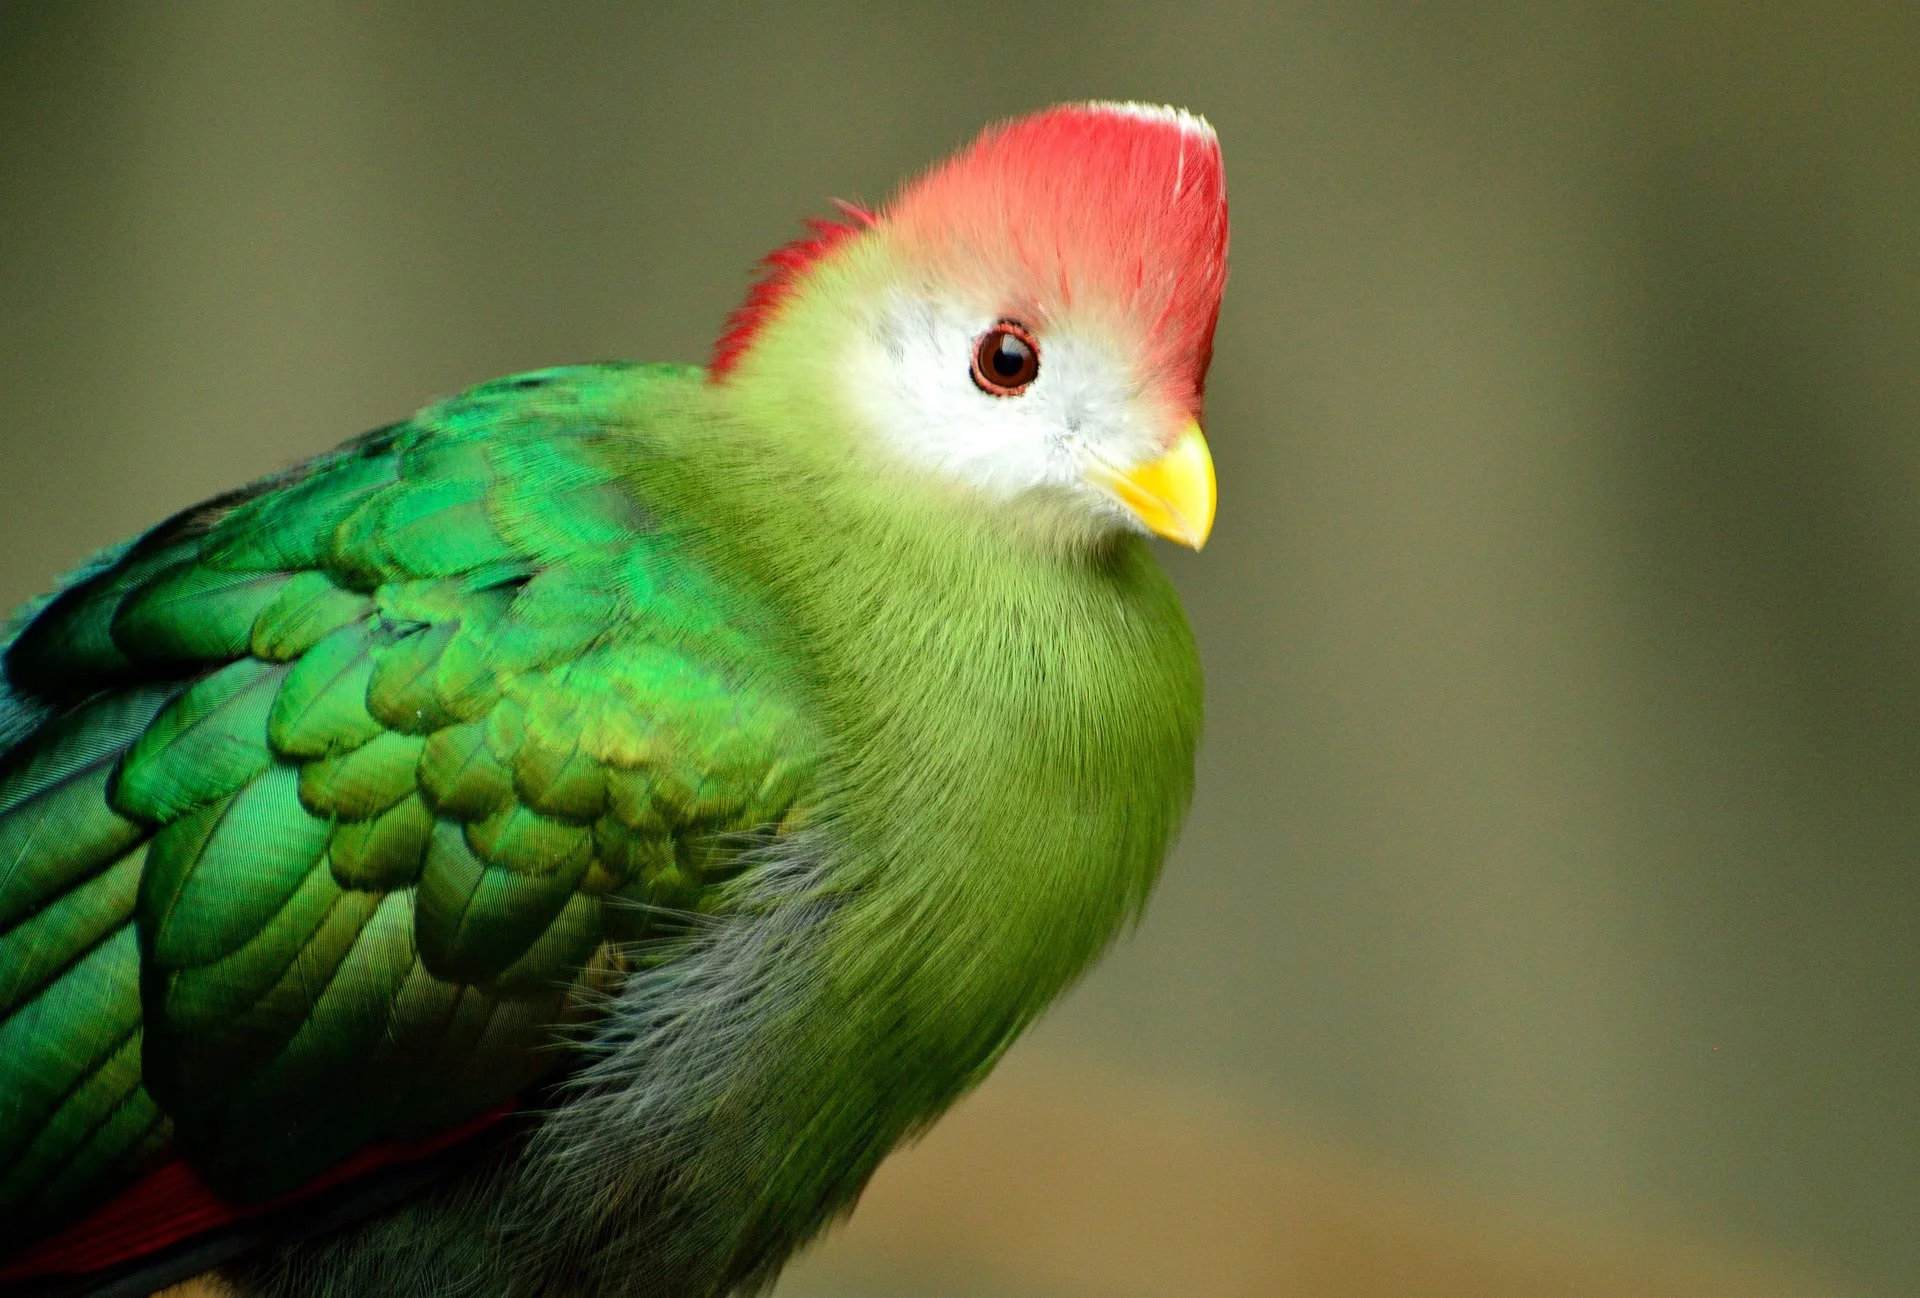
<point x="1548" y="921"/>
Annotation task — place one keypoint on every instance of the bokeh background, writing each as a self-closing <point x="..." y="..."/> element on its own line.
<point x="1549" y="916"/>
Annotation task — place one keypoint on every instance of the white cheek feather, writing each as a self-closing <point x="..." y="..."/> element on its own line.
<point x="912" y="378"/>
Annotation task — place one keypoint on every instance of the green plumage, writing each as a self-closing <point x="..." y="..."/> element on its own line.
<point x="719" y="769"/>
<point x="359" y="795"/>
<point x="378" y="739"/>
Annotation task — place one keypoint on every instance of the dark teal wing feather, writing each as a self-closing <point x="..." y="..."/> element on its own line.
<point x="332" y="801"/>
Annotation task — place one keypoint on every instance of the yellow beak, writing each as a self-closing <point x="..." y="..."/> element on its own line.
<point x="1173" y="495"/>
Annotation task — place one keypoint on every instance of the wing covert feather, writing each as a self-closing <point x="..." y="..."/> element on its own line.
<point x="363" y="778"/>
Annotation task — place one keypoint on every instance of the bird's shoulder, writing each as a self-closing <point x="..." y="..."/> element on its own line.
<point x="328" y="804"/>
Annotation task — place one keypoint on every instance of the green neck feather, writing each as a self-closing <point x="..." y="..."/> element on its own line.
<point x="1015" y="700"/>
<point x="1011" y="723"/>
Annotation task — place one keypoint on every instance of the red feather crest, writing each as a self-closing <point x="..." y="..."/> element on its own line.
<point x="1116" y="209"/>
<point x="782" y="269"/>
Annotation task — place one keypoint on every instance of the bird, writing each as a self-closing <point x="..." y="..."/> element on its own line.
<point x="559" y="844"/>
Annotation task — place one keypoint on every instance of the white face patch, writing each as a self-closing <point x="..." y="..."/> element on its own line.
<point x="912" y="377"/>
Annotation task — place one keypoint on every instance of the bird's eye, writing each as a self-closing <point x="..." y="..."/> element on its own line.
<point x="1006" y="359"/>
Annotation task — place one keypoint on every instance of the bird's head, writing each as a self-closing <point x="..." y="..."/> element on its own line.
<point x="1029" y="323"/>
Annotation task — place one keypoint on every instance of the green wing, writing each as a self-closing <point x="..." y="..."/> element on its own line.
<point x="338" y="798"/>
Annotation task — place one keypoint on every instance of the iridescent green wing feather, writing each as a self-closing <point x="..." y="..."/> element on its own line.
<point x="347" y="790"/>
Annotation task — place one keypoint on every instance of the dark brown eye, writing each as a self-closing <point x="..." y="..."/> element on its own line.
<point x="1005" y="359"/>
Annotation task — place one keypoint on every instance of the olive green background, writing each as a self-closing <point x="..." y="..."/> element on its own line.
<point x="1558" y="833"/>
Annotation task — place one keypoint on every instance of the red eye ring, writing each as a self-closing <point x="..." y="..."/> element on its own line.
<point x="1006" y="359"/>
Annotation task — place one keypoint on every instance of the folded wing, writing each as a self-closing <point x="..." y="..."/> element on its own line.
<point x="338" y="799"/>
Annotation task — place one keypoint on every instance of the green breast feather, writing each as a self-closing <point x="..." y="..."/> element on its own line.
<point x="346" y="792"/>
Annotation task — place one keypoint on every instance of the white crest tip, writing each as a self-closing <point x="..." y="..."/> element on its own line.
<point x="1192" y="123"/>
